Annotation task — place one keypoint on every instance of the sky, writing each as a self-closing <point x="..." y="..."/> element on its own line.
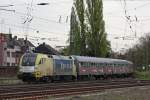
<point x="51" y="23"/>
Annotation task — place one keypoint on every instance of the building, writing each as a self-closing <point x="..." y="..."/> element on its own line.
<point x="11" y="49"/>
<point x="46" y="49"/>
<point x="3" y="45"/>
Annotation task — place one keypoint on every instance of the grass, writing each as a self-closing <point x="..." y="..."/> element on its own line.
<point x="9" y="80"/>
<point x="144" y="75"/>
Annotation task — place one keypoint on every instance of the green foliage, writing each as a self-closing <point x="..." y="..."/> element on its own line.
<point x="65" y="51"/>
<point x="143" y="75"/>
<point x="88" y="37"/>
<point x="75" y="41"/>
<point x="139" y="54"/>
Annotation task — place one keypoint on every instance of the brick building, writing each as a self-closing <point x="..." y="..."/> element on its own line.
<point x="11" y="49"/>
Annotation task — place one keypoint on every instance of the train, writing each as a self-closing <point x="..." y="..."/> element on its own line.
<point x="48" y="68"/>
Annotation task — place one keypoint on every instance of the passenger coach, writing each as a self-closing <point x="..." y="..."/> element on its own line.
<point x="102" y="67"/>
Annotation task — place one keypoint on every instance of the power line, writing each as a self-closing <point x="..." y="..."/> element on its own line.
<point x="34" y="29"/>
<point x="141" y="6"/>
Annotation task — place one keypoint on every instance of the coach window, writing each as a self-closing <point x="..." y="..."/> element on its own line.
<point x="101" y="64"/>
<point x="114" y="65"/>
<point x="118" y="65"/>
<point x="93" y="64"/>
<point x="97" y="65"/>
<point x="87" y="64"/>
<point x="124" y="65"/>
<point x="90" y="64"/>
<point x="84" y="64"/>
<point x="81" y="63"/>
<point x="110" y="65"/>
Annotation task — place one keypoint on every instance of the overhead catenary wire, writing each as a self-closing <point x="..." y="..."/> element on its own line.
<point x="61" y="22"/>
<point x="137" y="7"/>
<point x="34" y="29"/>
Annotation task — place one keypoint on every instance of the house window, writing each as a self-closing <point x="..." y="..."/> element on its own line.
<point x="8" y="64"/>
<point x="13" y="54"/>
<point x="8" y="54"/>
<point x="13" y="64"/>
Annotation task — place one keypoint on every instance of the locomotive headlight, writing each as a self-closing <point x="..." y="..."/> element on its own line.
<point x="38" y="74"/>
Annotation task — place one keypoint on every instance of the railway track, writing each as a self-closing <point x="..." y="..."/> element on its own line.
<point x="63" y="89"/>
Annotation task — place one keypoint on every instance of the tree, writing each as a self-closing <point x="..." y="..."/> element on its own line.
<point x="75" y="40"/>
<point x="77" y="29"/>
<point x="88" y="37"/>
<point x="97" y="42"/>
<point x="80" y="13"/>
<point x="139" y="54"/>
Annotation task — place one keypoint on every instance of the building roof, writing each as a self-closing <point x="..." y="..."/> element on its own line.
<point x="19" y="42"/>
<point x="46" y="49"/>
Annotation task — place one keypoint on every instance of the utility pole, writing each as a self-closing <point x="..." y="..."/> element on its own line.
<point x="28" y="20"/>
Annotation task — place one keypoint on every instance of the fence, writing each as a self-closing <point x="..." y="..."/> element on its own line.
<point x="8" y="71"/>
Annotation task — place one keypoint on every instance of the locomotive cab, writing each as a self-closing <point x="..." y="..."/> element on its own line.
<point x="34" y="66"/>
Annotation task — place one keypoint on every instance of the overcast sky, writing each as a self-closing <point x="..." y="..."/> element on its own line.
<point x="49" y="22"/>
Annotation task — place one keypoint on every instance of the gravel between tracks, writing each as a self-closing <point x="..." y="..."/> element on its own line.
<point x="130" y="93"/>
<point x="69" y="89"/>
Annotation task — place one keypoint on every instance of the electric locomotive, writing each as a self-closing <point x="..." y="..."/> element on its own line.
<point x="41" y="67"/>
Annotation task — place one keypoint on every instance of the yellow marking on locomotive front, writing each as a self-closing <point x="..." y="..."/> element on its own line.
<point x="37" y="74"/>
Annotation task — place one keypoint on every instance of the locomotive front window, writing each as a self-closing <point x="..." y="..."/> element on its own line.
<point x="29" y="59"/>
